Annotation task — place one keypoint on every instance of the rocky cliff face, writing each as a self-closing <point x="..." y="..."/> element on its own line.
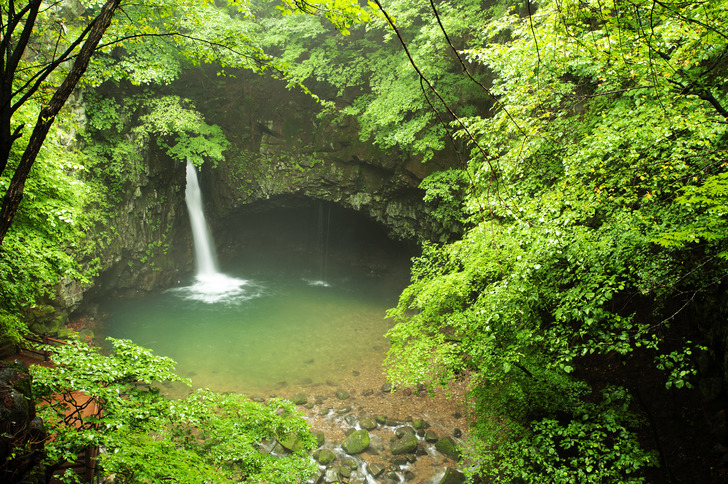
<point x="283" y="150"/>
<point x="146" y="243"/>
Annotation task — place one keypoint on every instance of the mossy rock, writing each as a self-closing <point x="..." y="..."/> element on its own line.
<point x="406" y="443"/>
<point x="367" y="423"/>
<point x="452" y="476"/>
<point x="324" y="456"/>
<point x="357" y="442"/>
<point x="299" y="399"/>
<point x="292" y="442"/>
<point x="447" y="447"/>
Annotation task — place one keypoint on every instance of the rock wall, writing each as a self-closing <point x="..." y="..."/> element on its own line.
<point x="147" y="240"/>
<point x="284" y="149"/>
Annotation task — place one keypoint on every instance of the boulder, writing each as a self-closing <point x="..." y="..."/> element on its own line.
<point x="447" y="447"/>
<point x="324" y="456"/>
<point x="367" y="423"/>
<point x="291" y="442"/>
<point x="357" y="442"/>
<point x="404" y="444"/>
<point x="452" y="476"/>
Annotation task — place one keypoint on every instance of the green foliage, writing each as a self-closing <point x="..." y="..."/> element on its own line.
<point x="445" y="191"/>
<point x="181" y="131"/>
<point x="367" y="77"/>
<point x="46" y="243"/>
<point x="546" y="432"/>
<point x="594" y="219"/>
<point x="148" y="438"/>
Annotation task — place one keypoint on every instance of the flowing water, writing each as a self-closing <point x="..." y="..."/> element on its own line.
<point x="292" y="309"/>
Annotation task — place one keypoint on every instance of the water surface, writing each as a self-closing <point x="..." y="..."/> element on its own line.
<point x="289" y="325"/>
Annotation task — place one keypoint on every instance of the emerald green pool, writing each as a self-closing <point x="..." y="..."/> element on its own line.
<point x="289" y="320"/>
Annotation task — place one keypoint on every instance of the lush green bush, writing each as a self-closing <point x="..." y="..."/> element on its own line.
<point x="205" y="437"/>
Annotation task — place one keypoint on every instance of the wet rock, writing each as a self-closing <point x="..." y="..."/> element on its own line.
<point x="391" y="475"/>
<point x="408" y="475"/>
<point x="404" y="444"/>
<point x="420" y="424"/>
<point x="324" y="456"/>
<point x="343" y="410"/>
<point x="375" y="470"/>
<point x="452" y="476"/>
<point x="457" y="433"/>
<point x="387" y="388"/>
<point x="320" y="438"/>
<point x="357" y="478"/>
<point x="342" y="394"/>
<point x="367" y="423"/>
<point x="404" y="430"/>
<point x="431" y="437"/>
<point x="447" y="447"/>
<point x="291" y="442"/>
<point x="323" y="411"/>
<point x="299" y="399"/>
<point x="278" y="449"/>
<point x="367" y="392"/>
<point x="332" y="474"/>
<point x="357" y="442"/>
<point x="400" y="461"/>
<point x="390" y="422"/>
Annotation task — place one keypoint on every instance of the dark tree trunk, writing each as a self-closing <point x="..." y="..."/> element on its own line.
<point x="14" y="194"/>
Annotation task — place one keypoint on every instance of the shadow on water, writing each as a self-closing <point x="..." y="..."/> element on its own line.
<point x="309" y="288"/>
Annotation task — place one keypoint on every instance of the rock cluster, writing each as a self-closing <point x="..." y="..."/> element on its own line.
<point x="377" y="447"/>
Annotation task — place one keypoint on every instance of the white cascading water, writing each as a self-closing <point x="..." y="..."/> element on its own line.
<point x="210" y="285"/>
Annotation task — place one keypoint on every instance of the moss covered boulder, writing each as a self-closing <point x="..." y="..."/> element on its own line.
<point x="357" y="442"/>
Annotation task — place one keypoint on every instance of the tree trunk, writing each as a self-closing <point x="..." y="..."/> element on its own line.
<point x="14" y="194"/>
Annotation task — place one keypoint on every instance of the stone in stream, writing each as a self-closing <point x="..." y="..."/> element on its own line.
<point x="357" y="478"/>
<point x="367" y="423"/>
<point x="299" y="399"/>
<point x="324" y="456"/>
<point x="375" y="470"/>
<point x="447" y="447"/>
<point x="403" y="444"/>
<point x="403" y="430"/>
<point x="431" y="437"/>
<point x="419" y="424"/>
<point x="452" y="476"/>
<point x="357" y="442"/>
<point x="342" y="394"/>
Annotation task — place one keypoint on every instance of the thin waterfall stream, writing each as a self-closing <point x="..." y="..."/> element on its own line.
<point x="211" y="285"/>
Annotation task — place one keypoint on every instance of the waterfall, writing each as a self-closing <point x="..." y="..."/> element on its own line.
<point x="210" y="285"/>
<point x="202" y="240"/>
